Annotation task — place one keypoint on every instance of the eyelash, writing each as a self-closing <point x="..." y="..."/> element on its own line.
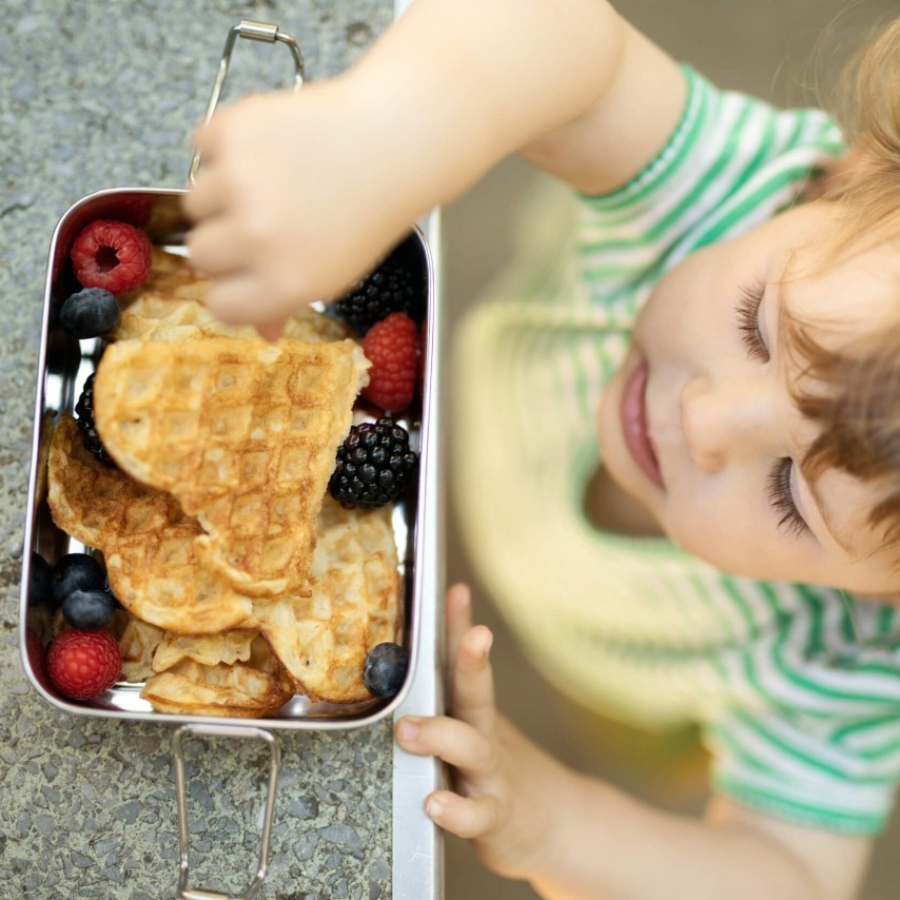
<point x="747" y="310"/>
<point x="778" y="489"/>
<point x="778" y="483"/>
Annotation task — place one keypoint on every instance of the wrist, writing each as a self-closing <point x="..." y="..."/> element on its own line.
<point x="429" y="129"/>
<point x="543" y="794"/>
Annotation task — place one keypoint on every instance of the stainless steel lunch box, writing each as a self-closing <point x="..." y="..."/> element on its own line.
<point x="64" y="363"/>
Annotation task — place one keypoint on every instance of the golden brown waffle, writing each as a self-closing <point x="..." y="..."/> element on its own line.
<point x="243" y="433"/>
<point x="47" y="426"/>
<point x="170" y="277"/>
<point x="253" y="688"/>
<point x="169" y="307"/>
<point x="229" y="647"/>
<point x="146" y="540"/>
<point x="323" y="640"/>
<point x="137" y="643"/>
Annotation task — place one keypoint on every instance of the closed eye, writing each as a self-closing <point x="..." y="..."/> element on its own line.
<point x="781" y="498"/>
<point x="747" y="310"/>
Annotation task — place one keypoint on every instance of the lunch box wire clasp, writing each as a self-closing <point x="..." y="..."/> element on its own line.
<point x="184" y="841"/>
<point x="254" y="31"/>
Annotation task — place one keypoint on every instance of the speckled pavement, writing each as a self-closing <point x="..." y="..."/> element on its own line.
<point x="104" y="94"/>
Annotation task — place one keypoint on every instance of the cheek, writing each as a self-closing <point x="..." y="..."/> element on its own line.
<point x="705" y="521"/>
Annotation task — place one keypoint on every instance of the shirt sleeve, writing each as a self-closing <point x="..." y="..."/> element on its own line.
<point x="732" y="163"/>
<point x="810" y="731"/>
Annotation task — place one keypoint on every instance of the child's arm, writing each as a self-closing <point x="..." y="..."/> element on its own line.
<point x="575" y="838"/>
<point x="300" y="193"/>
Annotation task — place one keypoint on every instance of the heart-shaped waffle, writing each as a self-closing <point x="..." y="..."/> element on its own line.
<point x="243" y="433"/>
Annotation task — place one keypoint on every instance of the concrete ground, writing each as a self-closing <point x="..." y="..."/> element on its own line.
<point x="771" y="48"/>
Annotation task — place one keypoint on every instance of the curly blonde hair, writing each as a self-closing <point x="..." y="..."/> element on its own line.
<point x="859" y="413"/>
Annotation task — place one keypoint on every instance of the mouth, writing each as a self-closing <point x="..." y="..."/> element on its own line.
<point x="633" y="414"/>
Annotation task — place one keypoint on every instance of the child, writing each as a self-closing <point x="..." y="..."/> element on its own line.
<point x="740" y="346"/>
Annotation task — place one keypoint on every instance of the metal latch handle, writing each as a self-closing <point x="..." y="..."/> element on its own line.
<point x="237" y="731"/>
<point x="254" y="31"/>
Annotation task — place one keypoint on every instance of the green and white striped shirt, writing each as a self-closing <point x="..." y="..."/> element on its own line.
<point x="797" y="692"/>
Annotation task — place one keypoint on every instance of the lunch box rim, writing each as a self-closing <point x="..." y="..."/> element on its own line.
<point x="420" y="544"/>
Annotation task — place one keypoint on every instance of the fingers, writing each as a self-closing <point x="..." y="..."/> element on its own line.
<point x="459" y="615"/>
<point x="214" y="246"/>
<point x="472" y="680"/>
<point x="206" y="198"/>
<point x="455" y="742"/>
<point x="466" y="817"/>
<point x="234" y="298"/>
<point x="271" y="331"/>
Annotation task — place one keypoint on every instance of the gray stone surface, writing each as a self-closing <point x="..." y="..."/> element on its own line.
<point x="104" y="94"/>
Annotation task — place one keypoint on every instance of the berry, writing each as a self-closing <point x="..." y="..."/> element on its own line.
<point x="34" y="650"/>
<point x="111" y="255"/>
<point x="133" y="208"/>
<point x="89" y="610"/>
<point x="89" y="313"/>
<point x="392" y="287"/>
<point x="373" y="464"/>
<point x="390" y="345"/>
<point x="77" y="572"/>
<point x="385" y="669"/>
<point x="40" y="585"/>
<point x="82" y="664"/>
<point x="84" y="409"/>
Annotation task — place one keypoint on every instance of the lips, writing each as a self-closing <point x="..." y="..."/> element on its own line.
<point x="633" y="413"/>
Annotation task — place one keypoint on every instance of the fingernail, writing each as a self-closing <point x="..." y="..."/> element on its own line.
<point x="434" y="808"/>
<point x="407" y="730"/>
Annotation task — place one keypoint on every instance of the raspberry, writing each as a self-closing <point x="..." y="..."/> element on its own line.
<point x="390" y="345"/>
<point x="373" y="465"/>
<point x="83" y="664"/>
<point x="84" y="409"/>
<point x="111" y="255"/>
<point x="392" y="287"/>
<point x="34" y="650"/>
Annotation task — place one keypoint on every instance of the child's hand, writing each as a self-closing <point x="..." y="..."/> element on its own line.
<point x="498" y="776"/>
<point x="293" y="201"/>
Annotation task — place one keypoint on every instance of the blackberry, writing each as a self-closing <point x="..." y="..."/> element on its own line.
<point x="373" y="464"/>
<point x="84" y="409"/>
<point x="394" y="286"/>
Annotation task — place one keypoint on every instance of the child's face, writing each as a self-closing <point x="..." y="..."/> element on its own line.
<point x="717" y="461"/>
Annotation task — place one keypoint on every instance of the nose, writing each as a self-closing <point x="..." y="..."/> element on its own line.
<point x="725" y="419"/>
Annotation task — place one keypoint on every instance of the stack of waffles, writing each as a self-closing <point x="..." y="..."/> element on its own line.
<point x="243" y="582"/>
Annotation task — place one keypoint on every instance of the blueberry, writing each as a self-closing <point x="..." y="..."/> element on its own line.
<point x="88" y="610"/>
<point x="40" y="586"/>
<point x="385" y="669"/>
<point x="89" y="313"/>
<point x="76" y="572"/>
